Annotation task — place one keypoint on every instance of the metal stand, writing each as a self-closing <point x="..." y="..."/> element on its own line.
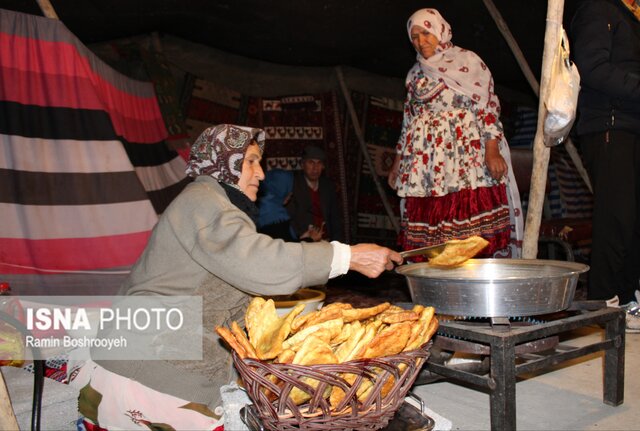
<point x="501" y="381"/>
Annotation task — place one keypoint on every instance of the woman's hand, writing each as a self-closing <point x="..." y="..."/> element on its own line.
<point x="496" y="164"/>
<point x="371" y="259"/>
<point x="393" y="172"/>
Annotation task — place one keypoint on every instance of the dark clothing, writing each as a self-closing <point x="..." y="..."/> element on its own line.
<point x="275" y="190"/>
<point x="281" y="230"/>
<point x="606" y="47"/>
<point x="300" y="207"/>
<point x="614" y="169"/>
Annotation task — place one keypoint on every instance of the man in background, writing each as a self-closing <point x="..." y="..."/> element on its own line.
<point x="313" y="206"/>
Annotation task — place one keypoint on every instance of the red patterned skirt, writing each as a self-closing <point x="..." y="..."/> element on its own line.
<point x="433" y="220"/>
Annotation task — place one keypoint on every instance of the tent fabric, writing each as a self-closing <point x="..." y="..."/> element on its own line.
<point x="73" y="132"/>
<point x="209" y="104"/>
<point x="152" y="66"/>
<point x="575" y="197"/>
<point x="381" y="120"/>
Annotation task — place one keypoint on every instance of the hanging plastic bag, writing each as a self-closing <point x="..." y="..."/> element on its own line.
<point x="561" y="99"/>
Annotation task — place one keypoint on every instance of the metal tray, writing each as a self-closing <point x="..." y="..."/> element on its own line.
<point x="495" y="287"/>
<point x="409" y="417"/>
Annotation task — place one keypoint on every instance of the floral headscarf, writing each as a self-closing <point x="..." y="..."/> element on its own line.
<point x="460" y="69"/>
<point x="219" y="151"/>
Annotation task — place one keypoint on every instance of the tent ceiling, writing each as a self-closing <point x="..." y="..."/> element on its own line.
<point x="366" y="34"/>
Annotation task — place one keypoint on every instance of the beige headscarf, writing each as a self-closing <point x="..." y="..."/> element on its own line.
<point x="462" y="70"/>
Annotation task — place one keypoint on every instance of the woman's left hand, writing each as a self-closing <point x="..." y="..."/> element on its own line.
<point x="496" y="164"/>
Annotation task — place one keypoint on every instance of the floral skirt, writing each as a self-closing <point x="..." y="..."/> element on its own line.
<point x="436" y="219"/>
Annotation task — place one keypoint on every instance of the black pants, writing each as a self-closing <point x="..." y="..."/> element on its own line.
<point x="613" y="163"/>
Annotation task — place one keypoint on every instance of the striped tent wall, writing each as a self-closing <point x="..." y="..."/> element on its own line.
<point x="576" y="198"/>
<point x="82" y="155"/>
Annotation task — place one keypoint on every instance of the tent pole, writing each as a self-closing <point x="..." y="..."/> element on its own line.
<point x="513" y="44"/>
<point x="156" y="42"/>
<point x="533" y="82"/>
<point x="47" y="9"/>
<point x="363" y="147"/>
<point x="540" y="151"/>
<point x="526" y="70"/>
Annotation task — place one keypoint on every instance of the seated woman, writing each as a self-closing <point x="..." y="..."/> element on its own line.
<point x="206" y="244"/>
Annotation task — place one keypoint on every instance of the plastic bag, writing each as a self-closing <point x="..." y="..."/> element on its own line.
<point x="561" y="99"/>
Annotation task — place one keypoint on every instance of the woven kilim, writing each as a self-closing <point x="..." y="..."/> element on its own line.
<point x="294" y="122"/>
<point x="381" y="119"/>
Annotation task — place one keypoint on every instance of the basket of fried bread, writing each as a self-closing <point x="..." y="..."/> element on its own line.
<point x="336" y="368"/>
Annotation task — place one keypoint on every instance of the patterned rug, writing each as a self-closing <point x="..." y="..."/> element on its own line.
<point x="293" y="122"/>
<point x="381" y="120"/>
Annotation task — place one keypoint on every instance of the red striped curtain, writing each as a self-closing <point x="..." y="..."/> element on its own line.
<point x="82" y="154"/>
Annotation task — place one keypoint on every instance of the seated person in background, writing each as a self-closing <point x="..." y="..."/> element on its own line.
<point x="273" y="217"/>
<point x="205" y="244"/>
<point x="275" y="192"/>
<point x="313" y="206"/>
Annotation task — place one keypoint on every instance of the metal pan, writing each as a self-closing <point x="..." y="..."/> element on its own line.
<point x="495" y="287"/>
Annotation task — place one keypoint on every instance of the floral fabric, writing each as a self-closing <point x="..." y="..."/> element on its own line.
<point x="442" y="139"/>
<point x="219" y="151"/>
<point x="135" y="406"/>
<point x="442" y="166"/>
<point x="461" y="69"/>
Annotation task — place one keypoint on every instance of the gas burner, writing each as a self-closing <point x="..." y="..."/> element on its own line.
<point x="500" y="324"/>
<point x="495" y="322"/>
<point x="509" y="347"/>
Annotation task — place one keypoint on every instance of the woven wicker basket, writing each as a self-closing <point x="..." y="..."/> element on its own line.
<point x="277" y="411"/>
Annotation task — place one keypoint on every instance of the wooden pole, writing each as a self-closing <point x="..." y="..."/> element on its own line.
<point x="363" y="147"/>
<point x="47" y="9"/>
<point x="511" y="41"/>
<point x="540" y="151"/>
<point x="156" y="42"/>
<point x="533" y="82"/>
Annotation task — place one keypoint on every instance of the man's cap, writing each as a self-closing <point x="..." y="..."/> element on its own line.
<point x="313" y="152"/>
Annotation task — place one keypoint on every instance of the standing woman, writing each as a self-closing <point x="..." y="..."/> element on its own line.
<point x="452" y="168"/>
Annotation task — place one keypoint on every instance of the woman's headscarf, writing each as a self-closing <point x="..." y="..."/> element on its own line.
<point x="460" y="69"/>
<point x="219" y="152"/>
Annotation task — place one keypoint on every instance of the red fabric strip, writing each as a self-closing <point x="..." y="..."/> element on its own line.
<point x="43" y="73"/>
<point x="90" y="426"/>
<point x="70" y="254"/>
<point x="433" y="220"/>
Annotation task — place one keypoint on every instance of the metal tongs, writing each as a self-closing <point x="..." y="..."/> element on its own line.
<point x="430" y="251"/>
